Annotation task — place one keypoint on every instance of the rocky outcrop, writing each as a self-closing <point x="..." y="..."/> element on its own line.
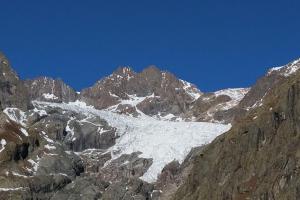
<point x="32" y="166"/>
<point x="130" y="189"/>
<point x="118" y="179"/>
<point x="48" y="89"/>
<point x="259" y="157"/>
<point x="12" y="90"/>
<point x="174" y="174"/>
<point x="75" y="130"/>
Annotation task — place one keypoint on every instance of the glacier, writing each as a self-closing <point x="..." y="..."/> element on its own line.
<point x="163" y="141"/>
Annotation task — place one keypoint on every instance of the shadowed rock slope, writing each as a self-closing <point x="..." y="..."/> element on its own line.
<point x="259" y="158"/>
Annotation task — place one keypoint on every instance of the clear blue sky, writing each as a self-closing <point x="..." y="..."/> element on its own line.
<point x="214" y="44"/>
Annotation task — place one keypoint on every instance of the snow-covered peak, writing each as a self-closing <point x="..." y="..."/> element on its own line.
<point x="286" y="70"/>
<point x="191" y="89"/>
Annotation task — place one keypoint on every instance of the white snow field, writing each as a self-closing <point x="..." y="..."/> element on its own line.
<point x="164" y="141"/>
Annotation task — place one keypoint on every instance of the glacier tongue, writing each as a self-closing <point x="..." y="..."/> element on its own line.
<point x="163" y="141"/>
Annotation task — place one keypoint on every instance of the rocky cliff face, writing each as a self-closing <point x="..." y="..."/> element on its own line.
<point x="31" y="164"/>
<point x="12" y="90"/>
<point x="48" y="89"/>
<point x="259" y="157"/>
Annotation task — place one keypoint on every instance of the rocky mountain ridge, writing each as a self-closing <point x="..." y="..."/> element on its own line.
<point x="152" y="92"/>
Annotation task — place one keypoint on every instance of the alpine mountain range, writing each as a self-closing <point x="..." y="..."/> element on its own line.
<point x="149" y="136"/>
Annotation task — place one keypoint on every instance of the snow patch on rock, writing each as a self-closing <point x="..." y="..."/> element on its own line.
<point x="236" y="95"/>
<point x="13" y="189"/>
<point x="50" y="96"/>
<point x="3" y="143"/>
<point x="16" y="115"/>
<point x="191" y="90"/>
<point x="24" y="131"/>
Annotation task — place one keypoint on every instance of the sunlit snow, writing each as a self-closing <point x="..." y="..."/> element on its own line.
<point x="191" y="90"/>
<point x="50" y="96"/>
<point x="3" y="143"/>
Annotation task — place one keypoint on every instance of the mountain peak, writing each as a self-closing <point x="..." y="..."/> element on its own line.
<point x="123" y="70"/>
<point x="151" y="68"/>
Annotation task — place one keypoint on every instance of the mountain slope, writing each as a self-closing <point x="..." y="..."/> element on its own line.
<point x="259" y="157"/>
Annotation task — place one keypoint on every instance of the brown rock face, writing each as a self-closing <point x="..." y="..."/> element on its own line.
<point x="12" y="90"/>
<point x="259" y="157"/>
<point x="48" y="89"/>
<point x="174" y="95"/>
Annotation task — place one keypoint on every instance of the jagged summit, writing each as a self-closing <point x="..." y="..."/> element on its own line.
<point x="125" y="72"/>
<point x="153" y="92"/>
